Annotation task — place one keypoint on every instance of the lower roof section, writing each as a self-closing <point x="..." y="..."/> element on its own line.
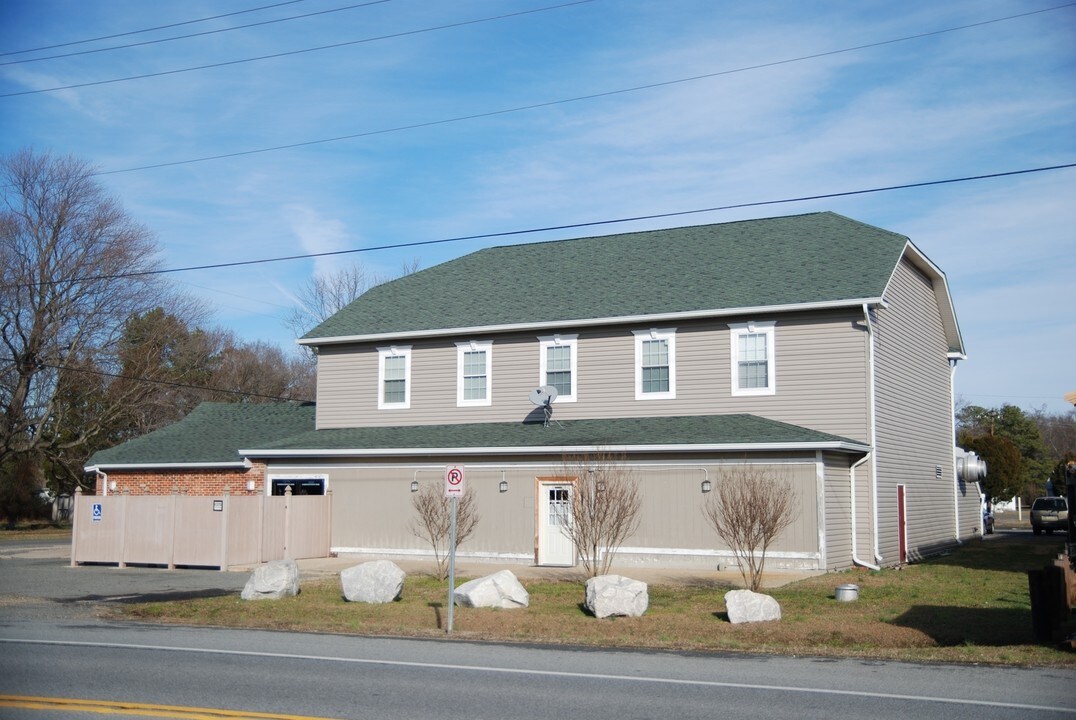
<point x="715" y="433"/>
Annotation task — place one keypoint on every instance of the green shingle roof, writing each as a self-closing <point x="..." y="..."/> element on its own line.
<point x="653" y="432"/>
<point x="212" y="433"/>
<point x="813" y="258"/>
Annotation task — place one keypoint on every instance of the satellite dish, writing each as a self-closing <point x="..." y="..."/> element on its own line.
<point x="543" y="396"/>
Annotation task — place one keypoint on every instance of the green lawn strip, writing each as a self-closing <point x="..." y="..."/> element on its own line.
<point x="971" y="606"/>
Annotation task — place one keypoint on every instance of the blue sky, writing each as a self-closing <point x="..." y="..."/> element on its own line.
<point x="433" y="97"/>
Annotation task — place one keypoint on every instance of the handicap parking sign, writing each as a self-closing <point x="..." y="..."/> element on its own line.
<point x="97" y="512"/>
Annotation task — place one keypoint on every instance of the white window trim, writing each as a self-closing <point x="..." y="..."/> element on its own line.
<point x="548" y="341"/>
<point x="470" y="346"/>
<point x="270" y="477"/>
<point x="737" y="331"/>
<point x="668" y="334"/>
<point x="387" y="352"/>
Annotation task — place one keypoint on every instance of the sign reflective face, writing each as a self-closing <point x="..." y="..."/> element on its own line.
<point x="454" y="482"/>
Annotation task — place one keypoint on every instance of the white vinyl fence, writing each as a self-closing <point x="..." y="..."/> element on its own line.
<point x="199" y="531"/>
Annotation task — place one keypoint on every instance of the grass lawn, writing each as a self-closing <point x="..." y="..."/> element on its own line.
<point x="971" y="606"/>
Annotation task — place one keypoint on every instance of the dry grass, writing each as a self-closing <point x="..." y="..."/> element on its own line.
<point x="969" y="607"/>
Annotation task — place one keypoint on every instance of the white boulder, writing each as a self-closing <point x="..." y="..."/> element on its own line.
<point x="499" y="590"/>
<point x="744" y="606"/>
<point x="272" y="581"/>
<point x="380" y="581"/>
<point x="616" y="595"/>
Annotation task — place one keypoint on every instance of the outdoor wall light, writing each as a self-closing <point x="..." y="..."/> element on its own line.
<point x="414" y="486"/>
<point x="112" y="486"/>
<point x="250" y="485"/>
<point x="503" y="486"/>
<point x="706" y="486"/>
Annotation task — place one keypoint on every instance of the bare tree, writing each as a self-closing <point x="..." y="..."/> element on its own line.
<point x="605" y="507"/>
<point x="751" y="507"/>
<point x="74" y="267"/>
<point x="326" y="295"/>
<point x="434" y="522"/>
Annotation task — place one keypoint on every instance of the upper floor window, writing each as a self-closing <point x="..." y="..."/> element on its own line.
<point x="753" y="371"/>
<point x="557" y="363"/>
<point x="474" y="363"/>
<point x="394" y="377"/>
<point x="655" y="364"/>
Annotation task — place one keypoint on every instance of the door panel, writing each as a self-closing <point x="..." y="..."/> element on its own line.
<point x="554" y="517"/>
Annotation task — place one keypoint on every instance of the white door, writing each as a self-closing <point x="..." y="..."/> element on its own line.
<point x="554" y="517"/>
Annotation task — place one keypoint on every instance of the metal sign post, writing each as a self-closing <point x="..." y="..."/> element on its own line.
<point x="454" y="488"/>
<point x="452" y="562"/>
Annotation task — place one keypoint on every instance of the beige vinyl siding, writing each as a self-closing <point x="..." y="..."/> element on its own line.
<point x="820" y="378"/>
<point x="914" y="418"/>
<point x="838" y="523"/>
<point x="372" y="508"/>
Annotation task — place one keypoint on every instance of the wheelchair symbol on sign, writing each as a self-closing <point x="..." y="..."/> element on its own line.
<point x="97" y="512"/>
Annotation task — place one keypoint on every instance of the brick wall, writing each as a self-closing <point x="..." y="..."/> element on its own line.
<point x="191" y="481"/>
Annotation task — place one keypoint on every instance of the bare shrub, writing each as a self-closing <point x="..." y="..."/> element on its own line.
<point x="604" y="509"/>
<point x="750" y="508"/>
<point x="434" y="522"/>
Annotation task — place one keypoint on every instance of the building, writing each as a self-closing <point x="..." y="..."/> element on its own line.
<point x="813" y="347"/>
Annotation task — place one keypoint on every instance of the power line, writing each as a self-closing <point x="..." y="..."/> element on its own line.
<point x="569" y="226"/>
<point x="145" y="30"/>
<point x="289" y="53"/>
<point x="551" y="103"/>
<point x="525" y="12"/>
<point x="197" y="34"/>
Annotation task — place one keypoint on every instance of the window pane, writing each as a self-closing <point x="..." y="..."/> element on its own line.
<point x="562" y="381"/>
<point x="753" y="347"/>
<point x="559" y="369"/>
<point x="474" y="362"/>
<point x="655" y="352"/>
<point x="655" y="366"/>
<point x="558" y="358"/>
<point x="560" y="511"/>
<point x="474" y="388"/>
<point x="753" y="361"/>
<point x="395" y="390"/>
<point x="656" y="379"/>
<point x="395" y="367"/>
<point x="754" y="375"/>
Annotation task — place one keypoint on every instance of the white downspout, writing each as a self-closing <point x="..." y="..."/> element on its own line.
<point x="852" y="493"/>
<point x="874" y="433"/>
<point x="956" y="477"/>
<point x="104" y="478"/>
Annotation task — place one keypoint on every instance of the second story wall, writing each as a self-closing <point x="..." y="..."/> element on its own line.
<point x="818" y="380"/>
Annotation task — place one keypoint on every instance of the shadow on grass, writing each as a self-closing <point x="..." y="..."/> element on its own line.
<point x="437" y="608"/>
<point x="990" y="627"/>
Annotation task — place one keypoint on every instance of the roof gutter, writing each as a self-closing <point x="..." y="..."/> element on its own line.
<point x="243" y="464"/>
<point x="585" y="322"/>
<point x="838" y="446"/>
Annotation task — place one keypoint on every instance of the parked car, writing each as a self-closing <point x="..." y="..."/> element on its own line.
<point x="1049" y="514"/>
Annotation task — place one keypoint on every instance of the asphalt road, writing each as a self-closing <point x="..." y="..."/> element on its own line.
<point x="53" y="645"/>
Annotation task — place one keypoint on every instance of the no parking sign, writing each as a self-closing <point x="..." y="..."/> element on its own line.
<point x="454" y="482"/>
